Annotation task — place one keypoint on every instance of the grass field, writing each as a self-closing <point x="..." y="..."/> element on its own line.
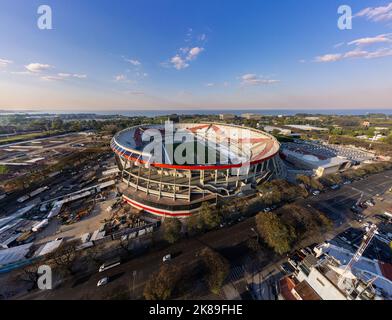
<point x="197" y="153"/>
<point x="27" y="136"/>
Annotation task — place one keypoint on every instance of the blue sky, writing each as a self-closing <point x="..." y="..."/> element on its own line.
<point x="157" y="54"/>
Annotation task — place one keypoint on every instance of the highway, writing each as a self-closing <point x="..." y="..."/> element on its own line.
<point x="134" y="273"/>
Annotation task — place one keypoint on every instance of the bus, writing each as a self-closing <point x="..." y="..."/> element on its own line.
<point x="110" y="264"/>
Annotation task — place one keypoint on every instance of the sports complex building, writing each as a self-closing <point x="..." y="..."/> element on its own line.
<point x="171" y="169"/>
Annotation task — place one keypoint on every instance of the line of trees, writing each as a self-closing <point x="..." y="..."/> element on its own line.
<point x="355" y="173"/>
<point x="287" y="226"/>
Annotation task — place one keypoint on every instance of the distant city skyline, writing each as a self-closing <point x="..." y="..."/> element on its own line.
<point x="183" y="55"/>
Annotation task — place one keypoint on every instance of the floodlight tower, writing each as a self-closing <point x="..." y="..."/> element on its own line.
<point x="367" y="238"/>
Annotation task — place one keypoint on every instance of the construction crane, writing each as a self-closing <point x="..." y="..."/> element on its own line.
<point x="367" y="238"/>
<point x="359" y="200"/>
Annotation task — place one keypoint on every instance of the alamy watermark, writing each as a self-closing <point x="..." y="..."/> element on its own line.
<point x="45" y="279"/>
<point x="45" y="21"/>
<point x="345" y="21"/>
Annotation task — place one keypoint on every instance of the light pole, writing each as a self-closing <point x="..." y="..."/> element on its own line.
<point x="257" y="235"/>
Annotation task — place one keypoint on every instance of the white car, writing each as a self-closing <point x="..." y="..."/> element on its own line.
<point x="103" y="282"/>
<point x="369" y="203"/>
<point x="167" y="258"/>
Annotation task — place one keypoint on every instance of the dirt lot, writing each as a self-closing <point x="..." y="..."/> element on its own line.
<point x="87" y="225"/>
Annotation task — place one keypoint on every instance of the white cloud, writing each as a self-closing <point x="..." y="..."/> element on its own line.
<point x="251" y="79"/>
<point x="120" y="77"/>
<point x="384" y="52"/>
<point x="79" y="76"/>
<point x="210" y="84"/>
<point x="357" y="53"/>
<point x="64" y="75"/>
<point x="193" y="53"/>
<point x="178" y="62"/>
<point x="52" y="78"/>
<point x="181" y="61"/>
<point x="383" y="38"/>
<point x="134" y="62"/>
<point x="203" y="37"/>
<point x="329" y="58"/>
<point x="4" y="63"/>
<point x="24" y="73"/>
<point x="37" y="67"/>
<point x="338" y="45"/>
<point x="377" y="14"/>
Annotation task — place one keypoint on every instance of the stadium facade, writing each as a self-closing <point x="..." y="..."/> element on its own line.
<point x="171" y="169"/>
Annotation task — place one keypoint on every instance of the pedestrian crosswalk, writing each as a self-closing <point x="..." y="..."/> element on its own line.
<point x="236" y="274"/>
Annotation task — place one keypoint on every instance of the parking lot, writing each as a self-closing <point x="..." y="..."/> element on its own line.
<point x="337" y="204"/>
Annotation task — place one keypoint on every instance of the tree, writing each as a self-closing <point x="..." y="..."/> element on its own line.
<point x="172" y="230"/>
<point x="217" y="269"/>
<point x="161" y="284"/>
<point x="65" y="256"/>
<point x="3" y="169"/>
<point x="206" y="219"/>
<point x="28" y="274"/>
<point x="57" y="124"/>
<point x="194" y="223"/>
<point x="210" y="218"/>
<point x="76" y="126"/>
<point x="253" y="245"/>
<point x="388" y="139"/>
<point x="274" y="232"/>
<point x="309" y="182"/>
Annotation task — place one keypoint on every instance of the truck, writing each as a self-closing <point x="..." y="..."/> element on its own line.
<point x="32" y="194"/>
<point x="110" y="264"/>
<point x="23" y="199"/>
<point x="40" y="225"/>
<point x="38" y="191"/>
<point x="388" y="214"/>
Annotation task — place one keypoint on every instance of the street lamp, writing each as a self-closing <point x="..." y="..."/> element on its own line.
<point x="257" y="235"/>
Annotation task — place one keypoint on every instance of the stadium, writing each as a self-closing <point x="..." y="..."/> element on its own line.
<point x="170" y="169"/>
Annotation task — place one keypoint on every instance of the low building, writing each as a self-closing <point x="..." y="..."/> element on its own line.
<point x="14" y="255"/>
<point x="306" y="127"/>
<point x="174" y="118"/>
<point x="318" y="276"/>
<point x="312" y="118"/>
<point x="251" y="116"/>
<point x="226" y="116"/>
<point x="321" y="166"/>
<point x="283" y="131"/>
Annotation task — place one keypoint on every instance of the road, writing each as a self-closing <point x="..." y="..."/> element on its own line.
<point x="336" y="204"/>
<point x="134" y="273"/>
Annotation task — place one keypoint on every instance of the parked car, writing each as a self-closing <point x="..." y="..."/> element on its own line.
<point x="356" y="209"/>
<point x="102" y="282"/>
<point x="369" y="203"/>
<point x="167" y="258"/>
